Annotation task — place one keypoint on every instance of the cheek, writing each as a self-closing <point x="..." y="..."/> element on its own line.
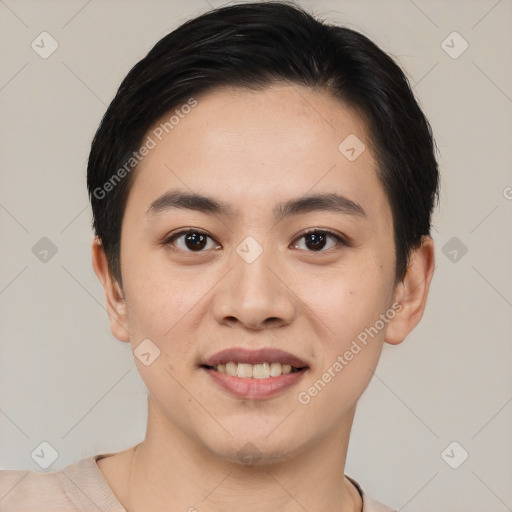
<point x="348" y="344"/>
<point x="349" y="308"/>
<point x="347" y="301"/>
<point x="157" y="311"/>
<point x="155" y="300"/>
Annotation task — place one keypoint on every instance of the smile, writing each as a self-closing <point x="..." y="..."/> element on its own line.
<point x="256" y="371"/>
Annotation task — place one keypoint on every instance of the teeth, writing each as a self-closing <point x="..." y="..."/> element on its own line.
<point x="257" y="371"/>
<point x="275" y="369"/>
<point x="231" y="369"/>
<point x="260" y="371"/>
<point x="244" y="370"/>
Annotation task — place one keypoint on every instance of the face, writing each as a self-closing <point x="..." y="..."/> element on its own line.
<point x="310" y="279"/>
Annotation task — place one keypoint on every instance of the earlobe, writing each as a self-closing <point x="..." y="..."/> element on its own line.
<point x="116" y="305"/>
<point x="412" y="292"/>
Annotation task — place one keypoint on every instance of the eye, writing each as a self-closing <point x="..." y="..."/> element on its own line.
<point x="196" y="240"/>
<point x="190" y="240"/>
<point x="316" y="240"/>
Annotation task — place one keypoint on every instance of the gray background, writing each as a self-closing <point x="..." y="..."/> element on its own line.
<point x="65" y="380"/>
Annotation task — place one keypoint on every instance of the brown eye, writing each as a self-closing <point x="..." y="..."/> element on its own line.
<point x="190" y="241"/>
<point x="316" y="240"/>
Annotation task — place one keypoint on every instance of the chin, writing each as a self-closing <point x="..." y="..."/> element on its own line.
<point x="257" y="450"/>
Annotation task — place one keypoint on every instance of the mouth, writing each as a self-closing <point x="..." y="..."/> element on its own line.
<point x="263" y="370"/>
<point x="255" y="374"/>
<point x="259" y="363"/>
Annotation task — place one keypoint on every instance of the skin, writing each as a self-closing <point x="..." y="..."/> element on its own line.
<point x="254" y="150"/>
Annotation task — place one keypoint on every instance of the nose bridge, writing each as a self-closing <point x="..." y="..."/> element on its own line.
<point x="253" y="262"/>
<point x="253" y="292"/>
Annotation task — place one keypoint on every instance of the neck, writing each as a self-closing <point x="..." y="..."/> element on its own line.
<point x="172" y="470"/>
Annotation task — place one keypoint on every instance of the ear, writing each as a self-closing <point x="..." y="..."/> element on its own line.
<point x="116" y="305"/>
<point x="412" y="292"/>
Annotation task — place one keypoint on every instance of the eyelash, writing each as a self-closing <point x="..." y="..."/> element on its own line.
<point x="339" y="239"/>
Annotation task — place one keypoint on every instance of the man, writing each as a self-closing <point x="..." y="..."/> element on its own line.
<point x="262" y="187"/>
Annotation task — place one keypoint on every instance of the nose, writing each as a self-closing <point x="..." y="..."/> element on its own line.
<point x="255" y="294"/>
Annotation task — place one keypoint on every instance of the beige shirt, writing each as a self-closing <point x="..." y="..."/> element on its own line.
<point x="82" y="487"/>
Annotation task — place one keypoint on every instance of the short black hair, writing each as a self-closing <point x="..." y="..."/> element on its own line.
<point x="254" y="45"/>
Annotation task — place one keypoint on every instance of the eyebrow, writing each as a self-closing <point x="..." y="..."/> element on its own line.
<point x="208" y="205"/>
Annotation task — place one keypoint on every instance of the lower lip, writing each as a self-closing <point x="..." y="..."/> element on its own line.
<point x="255" y="388"/>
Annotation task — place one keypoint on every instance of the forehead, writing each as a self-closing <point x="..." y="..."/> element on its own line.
<point x="254" y="147"/>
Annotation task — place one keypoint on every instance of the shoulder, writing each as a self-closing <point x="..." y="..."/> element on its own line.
<point x="77" y="487"/>
<point x="26" y="490"/>
<point x="370" y="504"/>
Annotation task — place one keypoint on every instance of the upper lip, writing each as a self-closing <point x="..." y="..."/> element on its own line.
<point x="261" y="355"/>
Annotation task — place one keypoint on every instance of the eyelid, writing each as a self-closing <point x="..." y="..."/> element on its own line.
<point x="335" y="234"/>
<point x="341" y="239"/>
<point x="169" y="238"/>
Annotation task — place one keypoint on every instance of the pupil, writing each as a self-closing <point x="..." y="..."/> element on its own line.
<point x="318" y="240"/>
<point x="197" y="240"/>
<point x="192" y="239"/>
